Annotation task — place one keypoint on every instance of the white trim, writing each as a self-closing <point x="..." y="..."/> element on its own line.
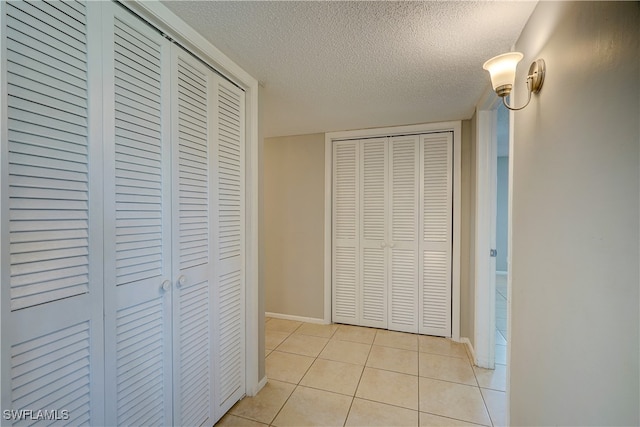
<point x="394" y="130"/>
<point x="469" y="347"/>
<point x="158" y="15"/>
<point x="328" y="206"/>
<point x="260" y="386"/>
<point x="455" y="127"/>
<point x="484" y="274"/>
<point x="296" y="318"/>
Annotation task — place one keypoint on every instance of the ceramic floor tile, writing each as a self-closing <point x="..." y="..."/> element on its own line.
<point x="389" y="387"/>
<point x="397" y="340"/>
<point x="355" y="334"/>
<point x="287" y="367"/>
<point x="324" y="331"/>
<point x="430" y="420"/>
<point x="329" y="375"/>
<point x="446" y="368"/>
<point x="458" y="401"/>
<point x="393" y="359"/>
<point x="495" y="379"/>
<point x="346" y="351"/>
<point x="272" y="339"/>
<point x="282" y="325"/>
<point x="496" y="403"/>
<point x="365" y="413"/>
<point x="444" y="346"/>
<point x="311" y="407"/>
<point x="233" y="421"/>
<point x="265" y="406"/>
<point x="305" y="345"/>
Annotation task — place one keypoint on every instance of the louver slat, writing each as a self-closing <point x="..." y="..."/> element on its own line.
<point x="193" y="169"/>
<point x="373" y="293"/>
<point x="195" y="123"/>
<point x="47" y="117"/>
<point x="345" y="231"/>
<point x="138" y="175"/>
<point x="436" y="226"/>
<point x="53" y="371"/>
<point x="139" y="225"/>
<point x="230" y="245"/>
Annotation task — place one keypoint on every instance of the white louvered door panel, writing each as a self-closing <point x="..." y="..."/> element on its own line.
<point x="193" y="117"/>
<point x="229" y="248"/>
<point x="436" y="158"/>
<point x="373" y="218"/>
<point x="50" y="220"/>
<point x="403" y="233"/>
<point x="137" y="221"/>
<point x="346" y="225"/>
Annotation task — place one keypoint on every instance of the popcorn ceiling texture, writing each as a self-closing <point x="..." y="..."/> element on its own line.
<point x="329" y="66"/>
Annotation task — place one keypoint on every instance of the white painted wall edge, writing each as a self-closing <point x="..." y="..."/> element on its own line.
<point x="166" y="21"/>
<point x="297" y="318"/>
<point x="484" y="274"/>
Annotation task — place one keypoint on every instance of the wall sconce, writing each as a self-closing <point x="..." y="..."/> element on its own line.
<point x="502" y="70"/>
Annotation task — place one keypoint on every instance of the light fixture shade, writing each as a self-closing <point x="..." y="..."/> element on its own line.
<point x="502" y="69"/>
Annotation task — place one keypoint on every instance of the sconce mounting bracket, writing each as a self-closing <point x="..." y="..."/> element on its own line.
<point x="536" y="75"/>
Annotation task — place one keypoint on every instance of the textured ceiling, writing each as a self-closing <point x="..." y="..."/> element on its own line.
<point x="328" y="66"/>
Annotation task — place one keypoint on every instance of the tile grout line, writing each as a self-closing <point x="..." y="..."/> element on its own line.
<point x="296" y="385"/>
<point x="353" y="398"/>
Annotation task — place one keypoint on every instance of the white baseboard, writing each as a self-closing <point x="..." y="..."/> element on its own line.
<point x="501" y="273"/>
<point x="259" y="386"/>
<point x="469" y="347"/>
<point x="296" y="318"/>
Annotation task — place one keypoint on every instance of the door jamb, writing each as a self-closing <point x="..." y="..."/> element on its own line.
<point x="485" y="230"/>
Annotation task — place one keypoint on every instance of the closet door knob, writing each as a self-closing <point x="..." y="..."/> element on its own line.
<point x="392" y="245"/>
<point x="182" y="280"/>
<point x="166" y="285"/>
<point x="382" y="245"/>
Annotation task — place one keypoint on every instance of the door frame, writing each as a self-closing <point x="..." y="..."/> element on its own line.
<point x="484" y="276"/>
<point x="453" y="126"/>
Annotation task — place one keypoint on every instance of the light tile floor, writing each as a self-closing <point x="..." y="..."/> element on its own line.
<point x="339" y="375"/>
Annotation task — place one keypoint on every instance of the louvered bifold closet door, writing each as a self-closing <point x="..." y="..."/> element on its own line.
<point x="403" y="233"/>
<point x="137" y="220"/>
<point x="193" y="137"/>
<point x="229" y="246"/>
<point x="345" y="228"/>
<point x="436" y="158"/>
<point x="373" y="217"/>
<point x="51" y="266"/>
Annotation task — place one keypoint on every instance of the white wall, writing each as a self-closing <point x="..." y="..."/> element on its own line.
<point x="574" y="330"/>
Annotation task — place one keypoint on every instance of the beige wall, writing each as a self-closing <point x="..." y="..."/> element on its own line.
<point x="575" y="325"/>
<point x="294" y="225"/>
